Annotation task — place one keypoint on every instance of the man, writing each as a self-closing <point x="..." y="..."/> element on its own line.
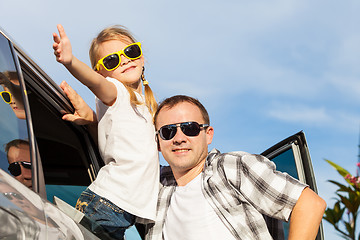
<point x="18" y="155"/>
<point x="213" y="195"/>
<point x="222" y="196"/>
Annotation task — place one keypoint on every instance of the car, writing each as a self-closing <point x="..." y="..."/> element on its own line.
<point x="45" y="162"/>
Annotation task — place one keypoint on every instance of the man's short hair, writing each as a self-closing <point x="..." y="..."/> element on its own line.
<point x="15" y="143"/>
<point x="174" y="100"/>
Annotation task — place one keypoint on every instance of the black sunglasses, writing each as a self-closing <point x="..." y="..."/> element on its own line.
<point x="190" y="129"/>
<point x="15" y="168"/>
<point x="12" y="195"/>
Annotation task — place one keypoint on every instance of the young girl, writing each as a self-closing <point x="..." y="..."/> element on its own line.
<point x="127" y="186"/>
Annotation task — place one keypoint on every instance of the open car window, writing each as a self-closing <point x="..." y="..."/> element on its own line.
<point x="292" y="156"/>
<point x="69" y="160"/>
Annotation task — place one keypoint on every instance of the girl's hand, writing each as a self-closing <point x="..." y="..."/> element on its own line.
<point x="62" y="47"/>
<point x="83" y="114"/>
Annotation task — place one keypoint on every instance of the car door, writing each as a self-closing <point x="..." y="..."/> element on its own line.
<point x="65" y="159"/>
<point x="41" y="156"/>
<point x="292" y="156"/>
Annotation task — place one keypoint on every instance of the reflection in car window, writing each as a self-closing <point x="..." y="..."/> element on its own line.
<point x="18" y="156"/>
<point x="13" y="128"/>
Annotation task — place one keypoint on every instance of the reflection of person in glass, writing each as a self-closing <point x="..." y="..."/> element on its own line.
<point x="34" y="222"/>
<point x="18" y="155"/>
<point x="12" y="91"/>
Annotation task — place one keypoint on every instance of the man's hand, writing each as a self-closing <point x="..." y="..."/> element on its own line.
<point x="62" y="47"/>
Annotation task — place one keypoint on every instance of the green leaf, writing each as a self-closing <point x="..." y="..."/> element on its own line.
<point x="342" y="188"/>
<point x="350" y="230"/>
<point x="354" y="198"/>
<point x="347" y="202"/>
<point x="334" y="215"/>
<point x="343" y="172"/>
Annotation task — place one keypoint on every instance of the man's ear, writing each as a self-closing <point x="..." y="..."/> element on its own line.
<point x="157" y="142"/>
<point x="209" y="134"/>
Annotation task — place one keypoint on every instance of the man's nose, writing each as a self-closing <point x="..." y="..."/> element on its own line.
<point x="179" y="136"/>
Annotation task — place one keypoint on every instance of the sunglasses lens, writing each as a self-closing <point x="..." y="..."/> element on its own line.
<point x="6" y="97"/>
<point x="26" y="165"/>
<point x="132" y="51"/>
<point x="15" y="169"/>
<point x="168" y="132"/>
<point x="112" y="61"/>
<point x="191" y="129"/>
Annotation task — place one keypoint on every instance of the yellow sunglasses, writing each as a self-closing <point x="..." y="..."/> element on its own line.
<point x="112" y="61"/>
<point x="6" y="96"/>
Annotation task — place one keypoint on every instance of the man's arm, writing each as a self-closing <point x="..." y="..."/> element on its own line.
<point x="306" y="216"/>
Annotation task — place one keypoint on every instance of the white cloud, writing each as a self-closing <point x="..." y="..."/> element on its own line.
<point x="323" y="117"/>
<point x="299" y="113"/>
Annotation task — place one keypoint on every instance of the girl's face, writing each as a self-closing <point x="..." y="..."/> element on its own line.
<point x="17" y="102"/>
<point x="129" y="71"/>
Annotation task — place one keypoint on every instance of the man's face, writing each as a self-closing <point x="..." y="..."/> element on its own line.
<point x="184" y="153"/>
<point x="19" y="154"/>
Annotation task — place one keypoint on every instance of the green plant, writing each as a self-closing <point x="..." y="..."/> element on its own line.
<point x="343" y="215"/>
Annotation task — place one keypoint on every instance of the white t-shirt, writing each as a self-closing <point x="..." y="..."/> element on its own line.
<point x="130" y="178"/>
<point x="190" y="216"/>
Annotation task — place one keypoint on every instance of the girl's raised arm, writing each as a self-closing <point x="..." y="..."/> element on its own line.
<point x="103" y="89"/>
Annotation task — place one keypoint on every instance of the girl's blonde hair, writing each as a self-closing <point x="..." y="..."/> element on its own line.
<point x="119" y="32"/>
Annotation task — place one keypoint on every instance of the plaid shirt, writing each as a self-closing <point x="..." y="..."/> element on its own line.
<point x="240" y="187"/>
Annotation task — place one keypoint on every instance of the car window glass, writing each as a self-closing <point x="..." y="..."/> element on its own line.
<point x="285" y="162"/>
<point x="14" y="145"/>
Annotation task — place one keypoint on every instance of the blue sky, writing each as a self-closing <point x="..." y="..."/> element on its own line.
<point x="264" y="70"/>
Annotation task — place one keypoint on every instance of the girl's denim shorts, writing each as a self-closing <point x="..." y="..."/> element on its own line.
<point x="103" y="215"/>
